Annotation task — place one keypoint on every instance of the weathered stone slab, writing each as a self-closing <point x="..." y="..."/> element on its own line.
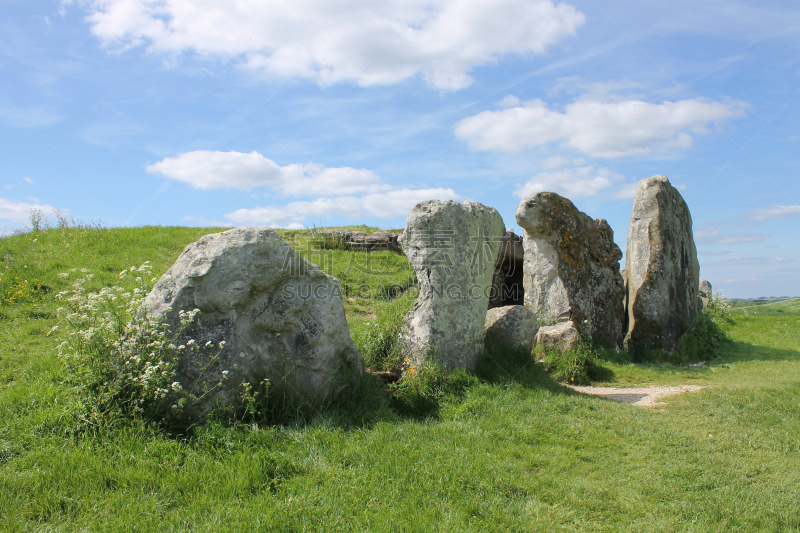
<point x="280" y="316"/>
<point x="662" y="270"/>
<point x="452" y="248"/>
<point x="358" y="240"/>
<point x="561" y="337"/>
<point x="513" y="324"/>
<point x="572" y="267"/>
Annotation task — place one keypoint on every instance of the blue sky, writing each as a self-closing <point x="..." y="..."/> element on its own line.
<point x="293" y="113"/>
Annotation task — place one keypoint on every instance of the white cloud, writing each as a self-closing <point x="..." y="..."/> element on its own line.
<point x="595" y="128"/>
<point x="386" y="205"/>
<point x="331" y="42"/>
<point x="572" y="183"/>
<point x="772" y="212"/>
<point x="273" y="216"/>
<point x="509" y="101"/>
<point x="399" y="202"/>
<point x="20" y="211"/>
<point x="27" y="179"/>
<point x="207" y="170"/>
<point x="626" y="190"/>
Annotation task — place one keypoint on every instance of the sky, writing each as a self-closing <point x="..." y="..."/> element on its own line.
<point x="304" y="113"/>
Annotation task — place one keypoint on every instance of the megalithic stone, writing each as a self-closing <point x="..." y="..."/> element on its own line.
<point x="281" y="317"/>
<point x="705" y="293"/>
<point x="662" y="271"/>
<point x="572" y="267"/>
<point x="453" y="248"/>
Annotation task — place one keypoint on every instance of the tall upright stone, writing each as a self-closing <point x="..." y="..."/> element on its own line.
<point x="662" y="272"/>
<point x="571" y="267"/>
<point x="279" y="315"/>
<point x="705" y="293"/>
<point x="453" y="248"/>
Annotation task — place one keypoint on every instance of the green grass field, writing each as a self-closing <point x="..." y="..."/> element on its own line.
<point x="510" y="451"/>
<point x="785" y="306"/>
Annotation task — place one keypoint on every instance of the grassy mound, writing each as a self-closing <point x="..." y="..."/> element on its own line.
<point x="505" y="449"/>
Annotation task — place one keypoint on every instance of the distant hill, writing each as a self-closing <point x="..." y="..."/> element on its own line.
<point x="790" y="305"/>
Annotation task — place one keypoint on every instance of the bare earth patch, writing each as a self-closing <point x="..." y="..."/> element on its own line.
<point x="643" y="397"/>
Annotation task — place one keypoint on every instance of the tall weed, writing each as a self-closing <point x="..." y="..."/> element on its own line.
<point x="120" y="358"/>
<point x="576" y="367"/>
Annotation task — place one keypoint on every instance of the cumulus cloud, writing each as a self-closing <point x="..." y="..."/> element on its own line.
<point x="760" y="215"/>
<point x="386" y="205"/>
<point x="335" y="41"/>
<point x="20" y="211"/>
<point x="207" y="170"/>
<point x="595" y="128"/>
<point x="624" y="192"/>
<point x="399" y="202"/>
<point x="573" y="182"/>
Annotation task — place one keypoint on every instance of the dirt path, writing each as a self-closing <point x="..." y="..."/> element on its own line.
<point x="644" y="397"/>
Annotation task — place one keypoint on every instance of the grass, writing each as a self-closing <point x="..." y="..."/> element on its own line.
<point x="784" y="306"/>
<point x="505" y="450"/>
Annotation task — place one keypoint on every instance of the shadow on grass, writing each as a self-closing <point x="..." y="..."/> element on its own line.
<point x="422" y="396"/>
<point x="743" y="351"/>
<point x="503" y="364"/>
<point x="729" y="352"/>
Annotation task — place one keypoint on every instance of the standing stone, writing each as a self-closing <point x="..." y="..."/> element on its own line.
<point x="572" y="267"/>
<point x="662" y="271"/>
<point x="705" y="293"/>
<point x="280" y="316"/>
<point x="513" y="324"/>
<point x="452" y="248"/>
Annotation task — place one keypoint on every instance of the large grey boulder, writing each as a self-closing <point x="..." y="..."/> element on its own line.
<point x="513" y="324"/>
<point x="280" y="316"/>
<point x="561" y="337"/>
<point x="662" y="272"/>
<point x="571" y="269"/>
<point x="452" y="248"/>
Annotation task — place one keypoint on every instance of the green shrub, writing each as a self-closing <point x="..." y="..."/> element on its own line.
<point x="703" y="340"/>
